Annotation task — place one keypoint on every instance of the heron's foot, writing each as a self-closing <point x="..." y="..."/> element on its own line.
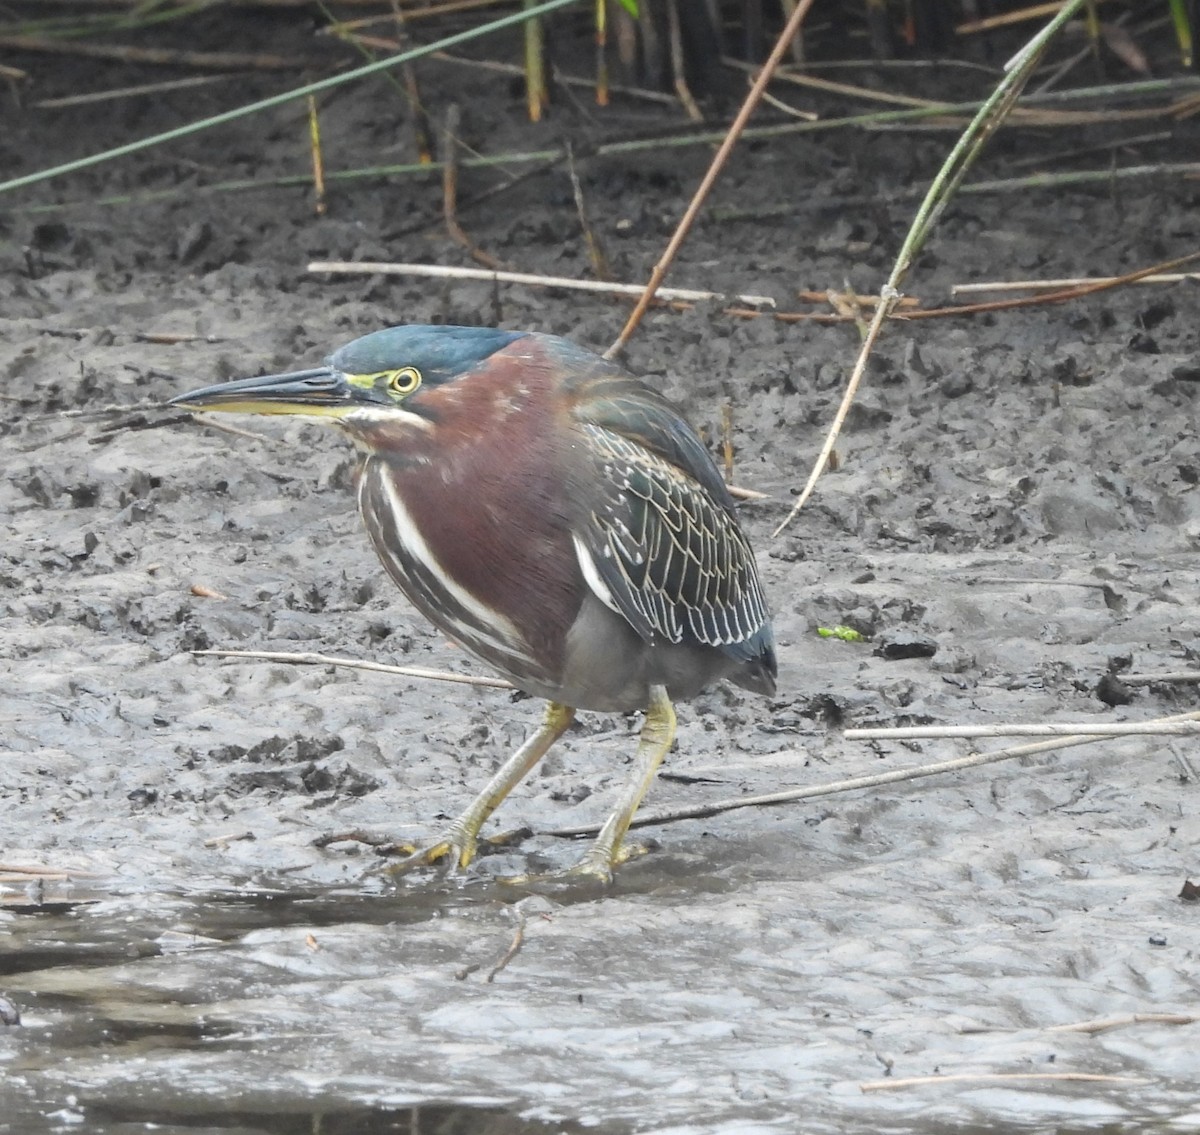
<point x="450" y="854"/>
<point x="453" y="853"/>
<point x="596" y="867"/>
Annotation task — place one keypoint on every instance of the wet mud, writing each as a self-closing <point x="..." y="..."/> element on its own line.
<point x="1013" y="526"/>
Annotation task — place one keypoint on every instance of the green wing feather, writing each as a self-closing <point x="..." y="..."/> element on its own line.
<point x="659" y="525"/>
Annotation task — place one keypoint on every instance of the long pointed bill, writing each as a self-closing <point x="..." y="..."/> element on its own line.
<point x="319" y="393"/>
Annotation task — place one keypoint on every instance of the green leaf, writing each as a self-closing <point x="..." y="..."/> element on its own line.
<point x="846" y="634"/>
<point x="630" y="6"/>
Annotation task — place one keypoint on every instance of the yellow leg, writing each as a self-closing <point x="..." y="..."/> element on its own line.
<point x="657" y="734"/>
<point x="458" y="842"/>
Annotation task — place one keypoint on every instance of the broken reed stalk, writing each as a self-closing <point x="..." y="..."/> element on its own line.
<point x="310" y="659"/>
<point x="1039" y="729"/>
<point x="438" y="271"/>
<point x="710" y="177"/>
<point x="997" y="1077"/>
<point x="457" y="233"/>
<point x="993" y="111"/>
<point x="1180" y="677"/>
<point x="1066" y="282"/>
<point x="537" y="94"/>
<point x="851" y="784"/>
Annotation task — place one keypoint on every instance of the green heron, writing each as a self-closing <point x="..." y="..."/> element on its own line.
<point x="552" y="514"/>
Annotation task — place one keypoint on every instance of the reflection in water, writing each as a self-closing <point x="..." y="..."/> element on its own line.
<point x="285" y="1118"/>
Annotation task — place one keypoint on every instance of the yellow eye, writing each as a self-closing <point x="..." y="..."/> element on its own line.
<point x="404" y="381"/>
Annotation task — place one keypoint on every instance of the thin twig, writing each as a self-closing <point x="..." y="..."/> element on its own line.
<point x="1066" y="282"/>
<point x="1103" y="1024"/>
<point x="740" y="493"/>
<point x="131" y="92"/>
<point x="167" y="57"/>
<point x="854" y="783"/>
<point x="438" y="271"/>
<point x="1178" y="677"/>
<point x="595" y="250"/>
<point x="310" y="659"/>
<point x="910" y="313"/>
<point x="710" y="177"/>
<point x="450" y="192"/>
<point x="998" y="1077"/>
<point x="1019" y="16"/>
<point x="679" y="78"/>
<point x="1087" y="289"/>
<point x="36" y="871"/>
<point x="1039" y="729"/>
<point x="514" y="947"/>
<point x="887" y="298"/>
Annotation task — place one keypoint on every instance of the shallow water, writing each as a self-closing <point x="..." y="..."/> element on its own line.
<point x="280" y="1011"/>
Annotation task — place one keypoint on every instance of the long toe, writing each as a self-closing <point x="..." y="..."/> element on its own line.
<point x="594" y="869"/>
<point x="450" y="854"/>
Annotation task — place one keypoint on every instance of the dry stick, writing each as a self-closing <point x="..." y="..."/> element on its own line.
<point x="745" y="494"/>
<point x="795" y="112"/>
<point x="1067" y="282"/>
<point x="675" y="43"/>
<point x="830" y="86"/>
<point x="310" y="659"/>
<point x="223" y="60"/>
<point x="1020" y="16"/>
<point x="887" y="298"/>
<point x="514" y="946"/>
<point x="1038" y="729"/>
<point x="1182" y="677"/>
<point x="370" y="267"/>
<point x="973" y="760"/>
<point x="1086" y="289"/>
<point x="998" y="1077"/>
<point x="35" y="871"/>
<point x="710" y="177"/>
<point x="1094" y="1025"/>
<point x="1103" y="1024"/>
<point x="131" y="92"/>
<point x="450" y="192"/>
<point x="422" y="134"/>
<point x="595" y="250"/>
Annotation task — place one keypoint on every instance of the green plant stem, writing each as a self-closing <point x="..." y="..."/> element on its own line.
<point x="287" y="96"/>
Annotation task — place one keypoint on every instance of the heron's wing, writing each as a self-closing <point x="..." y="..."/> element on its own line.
<point x="657" y="536"/>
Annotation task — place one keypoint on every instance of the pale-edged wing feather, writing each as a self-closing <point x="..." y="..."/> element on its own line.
<point x="666" y="547"/>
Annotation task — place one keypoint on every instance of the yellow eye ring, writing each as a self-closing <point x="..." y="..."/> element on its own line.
<point x="404" y="381"/>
